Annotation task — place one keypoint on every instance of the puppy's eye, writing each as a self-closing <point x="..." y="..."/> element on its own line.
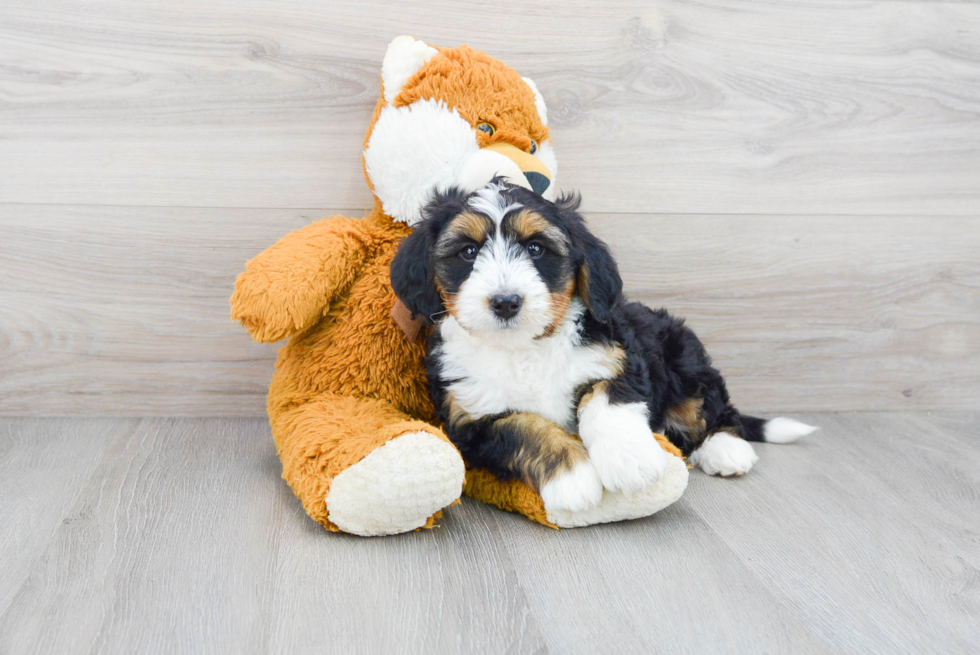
<point x="486" y="128"/>
<point x="534" y="146"/>
<point x="534" y="249"/>
<point x="468" y="252"/>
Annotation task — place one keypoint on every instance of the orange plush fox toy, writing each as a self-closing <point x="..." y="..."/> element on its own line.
<point x="348" y="404"/>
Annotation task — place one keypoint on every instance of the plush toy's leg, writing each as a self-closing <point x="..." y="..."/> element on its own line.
<point x="361" y="466"/>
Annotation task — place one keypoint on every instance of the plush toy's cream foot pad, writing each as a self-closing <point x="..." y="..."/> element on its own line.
<point x="397" y="487"/>
<point x="618" y="507"/>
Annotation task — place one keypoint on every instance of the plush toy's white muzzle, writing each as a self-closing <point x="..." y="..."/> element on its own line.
<point x="516" y="166"/>
<point x="417" y="149"/>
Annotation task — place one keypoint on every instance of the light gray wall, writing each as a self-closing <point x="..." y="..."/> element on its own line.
<point x="801" y="180"/>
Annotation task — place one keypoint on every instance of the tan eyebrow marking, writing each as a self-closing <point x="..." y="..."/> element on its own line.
<point x="527" y="224"/>
<point x="472" y="226"/>
<point x="467" y="225"/>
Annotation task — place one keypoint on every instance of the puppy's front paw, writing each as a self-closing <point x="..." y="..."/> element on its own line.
<point x="629" y="462"/>
<point x="573" y="491"/>
<point x="724" y="454"/>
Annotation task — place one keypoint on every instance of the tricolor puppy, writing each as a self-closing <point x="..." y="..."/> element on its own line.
<point x="534" y="343"/>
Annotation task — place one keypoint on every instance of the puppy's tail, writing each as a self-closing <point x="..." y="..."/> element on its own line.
<point x="776" y="430"/>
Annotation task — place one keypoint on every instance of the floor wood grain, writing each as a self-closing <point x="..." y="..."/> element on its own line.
<point x="43" y="466"/>
<point x="724" y="106"/>
<point x="666" y="584"/>
<point x="177" y="535"/>
<point x="124" y="310"/>
<point x="177" y="527"/>
<point x="878" y="503"/>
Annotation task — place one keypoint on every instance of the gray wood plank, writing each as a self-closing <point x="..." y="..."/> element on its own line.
<point x="183" y="538"/>
<point x="674" y="106"/>
<point x="818" y="313"/>
<point x="170" y="548"/>
<point x="447" y="590"/>
<point x="665" y="584"/>
<point x="43" y="465"/>
<point x="187" y="540"/>
<point x="123" y="310"/>
<point x="113" y="310"/>
<point x="867" y="530"/>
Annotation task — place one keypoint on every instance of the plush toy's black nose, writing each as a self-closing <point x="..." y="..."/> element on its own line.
<point x="506" y="306"/>
<point x="539" y="183"/>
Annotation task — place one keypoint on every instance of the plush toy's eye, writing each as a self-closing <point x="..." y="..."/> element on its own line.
<point x="534" y="146"/>
<point x="468" y="252"/>
<point x="534" y="249"/>
<point x="486" y="128"/>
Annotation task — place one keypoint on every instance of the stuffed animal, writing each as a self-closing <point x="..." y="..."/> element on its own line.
<point x="348" y="403"/>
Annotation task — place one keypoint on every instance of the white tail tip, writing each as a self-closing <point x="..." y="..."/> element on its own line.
<point x="785" y="430"/>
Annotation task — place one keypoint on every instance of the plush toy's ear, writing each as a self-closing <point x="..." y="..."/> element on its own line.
<point x="538" y="100"/>
<point x="599" y="284"/>
<point x="405" y="57"/>
<point x="412" y="273"/>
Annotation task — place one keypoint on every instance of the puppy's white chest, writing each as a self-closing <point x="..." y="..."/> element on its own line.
<point x="540" y="377"/>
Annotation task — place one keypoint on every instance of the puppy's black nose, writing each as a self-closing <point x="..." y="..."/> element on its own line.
<point x="506" y="306"/>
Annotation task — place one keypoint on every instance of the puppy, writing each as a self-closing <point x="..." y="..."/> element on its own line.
<point x="534" y="344"/>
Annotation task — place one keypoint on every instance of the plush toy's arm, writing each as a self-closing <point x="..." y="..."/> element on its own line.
<point x="289" y="286"/>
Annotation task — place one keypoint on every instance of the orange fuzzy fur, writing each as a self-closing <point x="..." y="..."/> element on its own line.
<point x="348" y="381"/>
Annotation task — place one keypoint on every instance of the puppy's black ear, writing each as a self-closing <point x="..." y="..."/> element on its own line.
<point x="412" y="277"/>
<point x="599" y="284"/>
<point x="412" y="273"/>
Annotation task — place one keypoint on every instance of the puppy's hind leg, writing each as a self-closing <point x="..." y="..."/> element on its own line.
<point x="724" y="454"/>
<point x="727" y="450"/>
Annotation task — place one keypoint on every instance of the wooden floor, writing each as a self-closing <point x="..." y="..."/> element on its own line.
<point x="177" y="535"/>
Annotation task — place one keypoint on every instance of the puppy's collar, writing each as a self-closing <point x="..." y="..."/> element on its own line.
<point x="411" y="326"/>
